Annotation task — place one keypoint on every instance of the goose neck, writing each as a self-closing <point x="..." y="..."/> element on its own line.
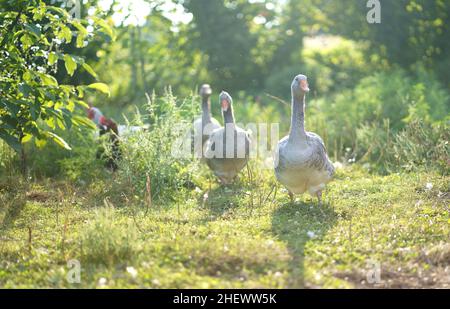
<point x="298" y="132"/>
<point x="206" y="110"/>
<point x="228" y="116"/>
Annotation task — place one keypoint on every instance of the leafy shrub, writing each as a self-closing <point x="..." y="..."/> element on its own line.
<point x="419" y="145"/>
<point x="151" y="152"/>
<point x="78" y="164"/>
<point x="387" y="96"/>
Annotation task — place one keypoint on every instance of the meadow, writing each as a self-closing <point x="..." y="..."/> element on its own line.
<point x="379" y="98"/>
<point x="165" y="222"/>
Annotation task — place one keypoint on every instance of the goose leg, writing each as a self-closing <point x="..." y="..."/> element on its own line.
<point x="319" y="197"/>
<point x="291" y="196"/>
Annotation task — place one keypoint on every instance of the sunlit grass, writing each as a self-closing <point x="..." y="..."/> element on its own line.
<point x="244" y="235"/>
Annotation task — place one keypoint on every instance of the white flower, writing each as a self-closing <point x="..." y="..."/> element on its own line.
<point x="132" y="271"/>
<point x="311" y="234"/>
<point x="102" y="281"/>
<point x="155" y="282"/>
<point x="270" y="242"/>
<point x="429" y="186"/>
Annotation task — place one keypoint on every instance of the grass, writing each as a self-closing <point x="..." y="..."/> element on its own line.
<point x="247" y="235"/>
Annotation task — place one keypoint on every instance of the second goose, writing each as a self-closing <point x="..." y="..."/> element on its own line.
<point x="227" y="150"/>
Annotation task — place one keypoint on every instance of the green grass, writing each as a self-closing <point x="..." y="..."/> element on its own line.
<point x="247" y="235"/>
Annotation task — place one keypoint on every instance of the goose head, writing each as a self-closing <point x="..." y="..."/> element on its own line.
<point x="299" y="86"/>
<point x="205" y="91"/>
<point x="226" y="102"/>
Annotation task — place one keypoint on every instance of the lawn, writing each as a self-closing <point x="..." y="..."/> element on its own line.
<point x="372" y="231"/>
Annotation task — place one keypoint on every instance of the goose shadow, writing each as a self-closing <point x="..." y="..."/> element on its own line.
<point x="296" y="224"/>
<point x="222" y="199"/>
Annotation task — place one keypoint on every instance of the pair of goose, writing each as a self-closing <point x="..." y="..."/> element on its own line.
<point x="301" y="162"/>
<point x="224" y="149"/>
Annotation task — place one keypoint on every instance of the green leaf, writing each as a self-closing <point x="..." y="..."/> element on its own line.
<point x="65" y="34"/>
<point x="11" y="140"/>
<point x="82" y="103"/>
<point x="67" y="119"/>
<point x="26" y="40"/>
<point x="26" y="138"/>
<point x="25" y="89"/>
<point x="70" y="64"/>
<point x="58" y="10"/>
<point x="89" y="69"/>
<point x="100" y="87"/>
<point x="80" y="90"/>
<point x="51" y="122"/>
<point x="47" y="80"/>
<point x="40" y="143"/>
<point x="104" y="27"/>
<point x="79" y="120"/>
<point x="52" y="58"/>
<point x="33" y="29"/>
<point x="27" y="76"/>
<point x="58" y="140"/>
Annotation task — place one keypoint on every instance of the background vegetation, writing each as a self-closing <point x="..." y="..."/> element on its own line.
<point x="380" y="99"/>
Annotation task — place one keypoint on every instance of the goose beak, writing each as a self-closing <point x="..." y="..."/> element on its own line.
<point x="225" y="105"/>
<point x="304" y="85"/>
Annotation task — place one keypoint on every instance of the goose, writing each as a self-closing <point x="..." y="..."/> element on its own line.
<point x="205" y="124"/>
<point x="227" y="150"/>
<point x="301" y="160"/>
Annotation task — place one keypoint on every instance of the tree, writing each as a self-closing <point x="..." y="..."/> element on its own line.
<point x="222" y="31"/>
<point x="410" y="32"/>
<point x="32" y="102"/>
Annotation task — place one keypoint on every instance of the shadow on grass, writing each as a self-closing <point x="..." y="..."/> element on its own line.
<point x="296" y="224"/>
<point x="223" y="199"/>
<point x="12" y="211"/>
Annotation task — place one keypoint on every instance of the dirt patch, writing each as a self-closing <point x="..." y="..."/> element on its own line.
<point x="438" y="277"/>
<point x="38" y="196"/>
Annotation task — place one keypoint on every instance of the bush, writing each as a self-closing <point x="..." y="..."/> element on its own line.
<point x="420" y="145"/>
<point x="78" y="164"/>
<point x="384" y="99"/>
<point x="150" y="152"/>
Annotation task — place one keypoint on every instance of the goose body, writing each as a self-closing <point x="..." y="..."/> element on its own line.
<point x="227" y="150"/>
<point x="205" y="124"/>
<point x="301" y="160"/>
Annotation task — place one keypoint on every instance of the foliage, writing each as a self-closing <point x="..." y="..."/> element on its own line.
<point x="33" y="103"/>
<point x="411" y="31"/>
<point x="391" y="98"/>
<point x="418" y="146"/>
<point x="332" y="64"/>
<point x="152" y="152"/>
